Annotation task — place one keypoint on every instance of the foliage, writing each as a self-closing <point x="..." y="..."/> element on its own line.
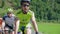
<point x="44" y="9"/>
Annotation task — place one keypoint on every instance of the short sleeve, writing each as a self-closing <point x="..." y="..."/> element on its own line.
<point x="4" y="17"/>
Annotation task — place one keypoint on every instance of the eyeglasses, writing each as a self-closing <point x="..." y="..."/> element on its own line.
<point x="25" y="5"/>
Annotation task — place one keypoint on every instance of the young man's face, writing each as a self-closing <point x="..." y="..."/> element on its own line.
<point x="25" y="7"/>
<point x="9" y="15"/>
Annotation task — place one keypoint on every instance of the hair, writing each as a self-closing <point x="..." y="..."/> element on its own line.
<point x="9" y="12"/>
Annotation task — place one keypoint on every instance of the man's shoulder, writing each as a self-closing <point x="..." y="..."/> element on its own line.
<point x="31" y="12"/>
<point x="4" y="17"/>
<point x="18" y="12"/>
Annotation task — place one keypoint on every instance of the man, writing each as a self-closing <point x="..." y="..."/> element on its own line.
<point x="25" y="16"/>
<point x="10" y="22"/>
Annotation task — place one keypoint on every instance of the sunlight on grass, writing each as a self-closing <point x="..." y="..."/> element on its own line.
<point x="49" y="28"/>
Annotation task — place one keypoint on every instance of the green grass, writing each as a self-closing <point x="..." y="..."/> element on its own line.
<point x="49" y="28"/>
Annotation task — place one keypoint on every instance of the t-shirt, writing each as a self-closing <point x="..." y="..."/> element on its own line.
<point x="9" y="20"/>
<point x="24" y="18"/>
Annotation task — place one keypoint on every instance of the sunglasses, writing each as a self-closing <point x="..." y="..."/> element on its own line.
<point x="25" y="5"/>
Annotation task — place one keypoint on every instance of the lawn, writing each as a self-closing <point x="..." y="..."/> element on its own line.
<point x="49" y="28"/>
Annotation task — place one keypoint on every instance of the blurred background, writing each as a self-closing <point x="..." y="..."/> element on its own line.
<point x="47" y="13"/>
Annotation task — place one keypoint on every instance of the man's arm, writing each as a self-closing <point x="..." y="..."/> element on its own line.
<point x="34" y="23"/>
<point x="16" y="25"/>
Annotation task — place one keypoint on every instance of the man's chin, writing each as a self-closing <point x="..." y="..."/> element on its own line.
<point x="25" y="12"/>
